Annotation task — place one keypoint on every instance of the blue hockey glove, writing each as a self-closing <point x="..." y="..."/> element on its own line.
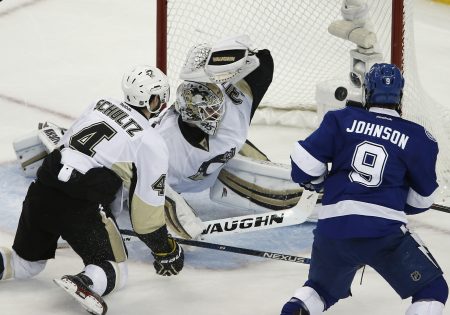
<point x="294" y="307"/>
<point x="312" y="187"/>
<point x="316" y="184"/>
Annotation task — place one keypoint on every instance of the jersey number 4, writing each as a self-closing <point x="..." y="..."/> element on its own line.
<point x="86" y="139"/>
<point x="368" y="163"/>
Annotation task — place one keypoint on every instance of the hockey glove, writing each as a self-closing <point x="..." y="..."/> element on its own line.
<point x="294" y="307"/>
<point x="169" y="264"/>
<point x="228" y="60"/>
<point x="316" y="184"/>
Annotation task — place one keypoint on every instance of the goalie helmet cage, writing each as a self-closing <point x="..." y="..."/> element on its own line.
<point x="304" y="54"/>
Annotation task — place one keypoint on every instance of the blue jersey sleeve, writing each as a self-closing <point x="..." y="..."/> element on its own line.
<point x="422" y="177"/>
<point x="309" y="157"/>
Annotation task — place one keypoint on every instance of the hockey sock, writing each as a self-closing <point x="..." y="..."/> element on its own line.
<point x="6" y="271"/>
<point x="106" y="276"/>
<point x="1" y="266"/>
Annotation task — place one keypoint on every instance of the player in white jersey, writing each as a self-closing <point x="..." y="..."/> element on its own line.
<point x="110" y="145"/>
<point x="210" y="121"/>
<point x="224" y="84"/>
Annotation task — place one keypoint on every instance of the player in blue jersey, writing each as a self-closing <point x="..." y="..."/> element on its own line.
<point x="382" y="169"/>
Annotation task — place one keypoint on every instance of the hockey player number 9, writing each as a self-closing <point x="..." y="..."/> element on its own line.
<point x="368" y="163"/>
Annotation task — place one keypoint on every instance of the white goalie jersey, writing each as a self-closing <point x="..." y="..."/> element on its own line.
<point x="197" y="158"/>
<point x="114" y="135"/>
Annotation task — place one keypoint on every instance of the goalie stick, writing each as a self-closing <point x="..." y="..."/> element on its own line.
<point x="268" y="220"/>
<point x="128" y="235"/>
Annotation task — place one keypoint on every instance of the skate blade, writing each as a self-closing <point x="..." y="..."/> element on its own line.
<point x="91" y="304"/>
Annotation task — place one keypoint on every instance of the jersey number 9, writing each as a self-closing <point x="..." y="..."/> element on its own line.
<point x="368" y="163"/>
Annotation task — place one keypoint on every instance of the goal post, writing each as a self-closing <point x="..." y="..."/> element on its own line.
<point x="397" y="29"/>
<point x="304" y="53"/>
<point x="161" y="35"/>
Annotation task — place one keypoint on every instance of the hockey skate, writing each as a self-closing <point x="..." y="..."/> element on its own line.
<point x="78" y="287"/>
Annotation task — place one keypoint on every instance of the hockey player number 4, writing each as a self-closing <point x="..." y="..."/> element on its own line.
<point x="86" y="139"/>
<point x="368" y="163"/>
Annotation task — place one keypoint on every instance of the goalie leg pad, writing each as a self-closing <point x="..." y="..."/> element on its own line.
<point x="257" y="185"/>
<point x="180" y="217"/>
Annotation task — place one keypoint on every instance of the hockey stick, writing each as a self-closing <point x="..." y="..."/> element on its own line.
<point x="128" y="235"/>
<point x="434" y="206"/>
<point x="268" y="220"/>
<point x="441" y="208"/>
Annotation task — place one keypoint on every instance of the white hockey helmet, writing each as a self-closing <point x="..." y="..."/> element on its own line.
<point x="143" y="82"/>
<point x="201" y="104"/>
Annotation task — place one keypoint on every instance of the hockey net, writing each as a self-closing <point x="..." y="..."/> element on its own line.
<point x="304" y="54"/>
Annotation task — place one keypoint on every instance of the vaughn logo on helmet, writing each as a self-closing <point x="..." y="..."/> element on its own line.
<point x="246" y="223"/>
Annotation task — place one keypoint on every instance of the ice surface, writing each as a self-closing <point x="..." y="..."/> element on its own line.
<point x="58" y="56"/>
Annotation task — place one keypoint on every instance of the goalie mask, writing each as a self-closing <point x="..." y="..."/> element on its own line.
<point x="201" y="104"/>
<point x="142" y="84"/>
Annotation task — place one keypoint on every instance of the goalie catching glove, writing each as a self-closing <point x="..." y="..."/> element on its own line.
<point x="229" y="60"/>
<point x="169" y="264"/>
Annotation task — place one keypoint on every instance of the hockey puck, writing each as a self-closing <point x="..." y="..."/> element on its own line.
<point x="341" y="93"/>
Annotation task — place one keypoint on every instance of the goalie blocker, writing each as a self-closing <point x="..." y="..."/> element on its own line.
<point x="32" y="148"/>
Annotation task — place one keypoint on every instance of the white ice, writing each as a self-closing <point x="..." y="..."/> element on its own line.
<point x="58" y="56"/>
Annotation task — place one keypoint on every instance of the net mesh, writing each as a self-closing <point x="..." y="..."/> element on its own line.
<point x="305" y="54"/>
<point x="419" y="107"/>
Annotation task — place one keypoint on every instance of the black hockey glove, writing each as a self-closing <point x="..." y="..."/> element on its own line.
<point x="169" y="264"/>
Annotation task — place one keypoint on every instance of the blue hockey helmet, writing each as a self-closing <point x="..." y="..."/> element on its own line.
<point x="383" y="85"/>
